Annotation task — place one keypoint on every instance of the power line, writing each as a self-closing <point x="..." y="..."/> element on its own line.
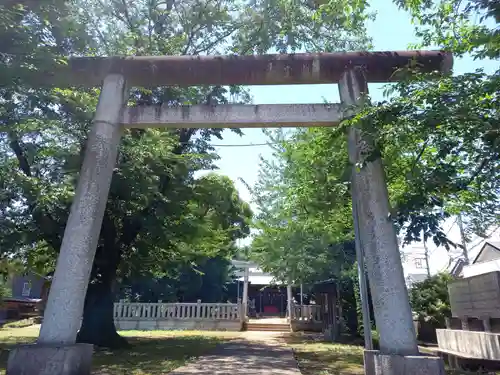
<point x="247" y="144"/>
<point x="462" y="237"/>
<point x="451" y="227"/>
<point x="426" y="252"/>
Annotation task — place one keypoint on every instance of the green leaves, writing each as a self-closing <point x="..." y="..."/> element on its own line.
<point x="458" y="26"/>
<point x="304" y="206"/>
<point x="290" y="26"/>
<point x="153" y="213"/>
<point x="439" y="140"/>
<point x="429" y="299"/>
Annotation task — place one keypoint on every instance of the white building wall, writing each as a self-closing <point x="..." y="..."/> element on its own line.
<point x="440" y="258"/>
<point x="413" y="261"/>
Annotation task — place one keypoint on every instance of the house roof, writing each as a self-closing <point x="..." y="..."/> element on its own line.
<point x="458" y="266"/>
<point x="328" y="281"/>
<point x="255" y="274"/>
<point x="22" y="299"/>
<point x="261" y="280"/>
<point x="243" y="264"/>
<point x="325" y="286"/>
<point x="416" y="277"/>
<point x="493" y="244"/>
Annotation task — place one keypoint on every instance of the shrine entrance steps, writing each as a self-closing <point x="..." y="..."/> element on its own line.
<point x="267" y="325"/>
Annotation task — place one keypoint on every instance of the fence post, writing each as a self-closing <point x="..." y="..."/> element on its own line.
<point x="159" y="309"/>
<point x="198" y="309"/>
<point x="289" y="300"/>
<point x="240" y="311"/>
<point x="177" y="311"/>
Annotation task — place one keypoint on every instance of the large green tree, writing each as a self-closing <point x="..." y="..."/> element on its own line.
<point x="304" y="206"/>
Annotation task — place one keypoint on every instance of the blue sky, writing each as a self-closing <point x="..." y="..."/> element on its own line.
<point x="392" y="30"/>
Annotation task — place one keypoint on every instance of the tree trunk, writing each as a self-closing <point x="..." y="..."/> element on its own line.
<point x="98" y="326"/>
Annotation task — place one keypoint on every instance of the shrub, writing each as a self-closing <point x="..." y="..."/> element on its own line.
<point x="429" y="299"/>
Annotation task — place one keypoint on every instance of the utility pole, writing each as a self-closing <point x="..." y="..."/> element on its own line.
<point x="289" y="300"/>
<point x="363" y="288"/>
<point x="464" y="241"/>
<point x="426" y="252"/>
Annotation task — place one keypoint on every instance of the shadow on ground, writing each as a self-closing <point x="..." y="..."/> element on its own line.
<point x="156" y="355"/>
<point x="146" y="356"/>
<point x="248" y="357"/>
<point x="316" y="356"/>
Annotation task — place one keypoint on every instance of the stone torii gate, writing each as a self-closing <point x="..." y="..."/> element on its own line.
<point x="56" y="352"/>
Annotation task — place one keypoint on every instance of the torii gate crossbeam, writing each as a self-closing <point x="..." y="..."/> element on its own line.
<point x="301" y="68"/>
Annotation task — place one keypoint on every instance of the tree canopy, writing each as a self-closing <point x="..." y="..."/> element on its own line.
<point x="438" y="137"/>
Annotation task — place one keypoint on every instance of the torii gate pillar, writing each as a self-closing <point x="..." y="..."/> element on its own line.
<point x="399" y="354"/>
<point x="56" y="351"/>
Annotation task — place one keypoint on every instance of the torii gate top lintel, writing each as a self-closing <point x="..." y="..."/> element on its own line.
<point x="303" y="68"/>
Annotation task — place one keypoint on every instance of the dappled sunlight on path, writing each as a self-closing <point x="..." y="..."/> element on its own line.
<point x="255" y="353"/>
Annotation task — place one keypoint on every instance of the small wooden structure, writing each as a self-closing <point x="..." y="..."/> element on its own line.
<point x="306" y="318"/>
<point x="267" y="300"/>
<point x="29" y="295"/>
<point x="327" y="297"/>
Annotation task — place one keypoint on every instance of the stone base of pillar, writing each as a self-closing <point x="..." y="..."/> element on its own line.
<point x="384" y="364"/>
<point x="38" y="359"/>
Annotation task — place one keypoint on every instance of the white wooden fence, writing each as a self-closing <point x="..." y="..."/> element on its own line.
<point x="310" y="313"/>
<point x="176" y="311"/>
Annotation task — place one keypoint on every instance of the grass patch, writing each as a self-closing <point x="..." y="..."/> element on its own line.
<point x="316" y="357"/>
<point x="152" y="352"/>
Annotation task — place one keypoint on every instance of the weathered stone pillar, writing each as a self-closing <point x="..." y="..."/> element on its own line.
<point x="245" y="292"/>
<point x="65" y="304"/>
<point x="398" y="353"/>
<point x="390" y="296"/>
<point x="55" y="352"/>
<point x="289" y="300"/>
<point x="360" y="257"/>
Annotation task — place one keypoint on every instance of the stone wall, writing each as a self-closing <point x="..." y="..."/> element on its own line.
<point x="308" y="326"/>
